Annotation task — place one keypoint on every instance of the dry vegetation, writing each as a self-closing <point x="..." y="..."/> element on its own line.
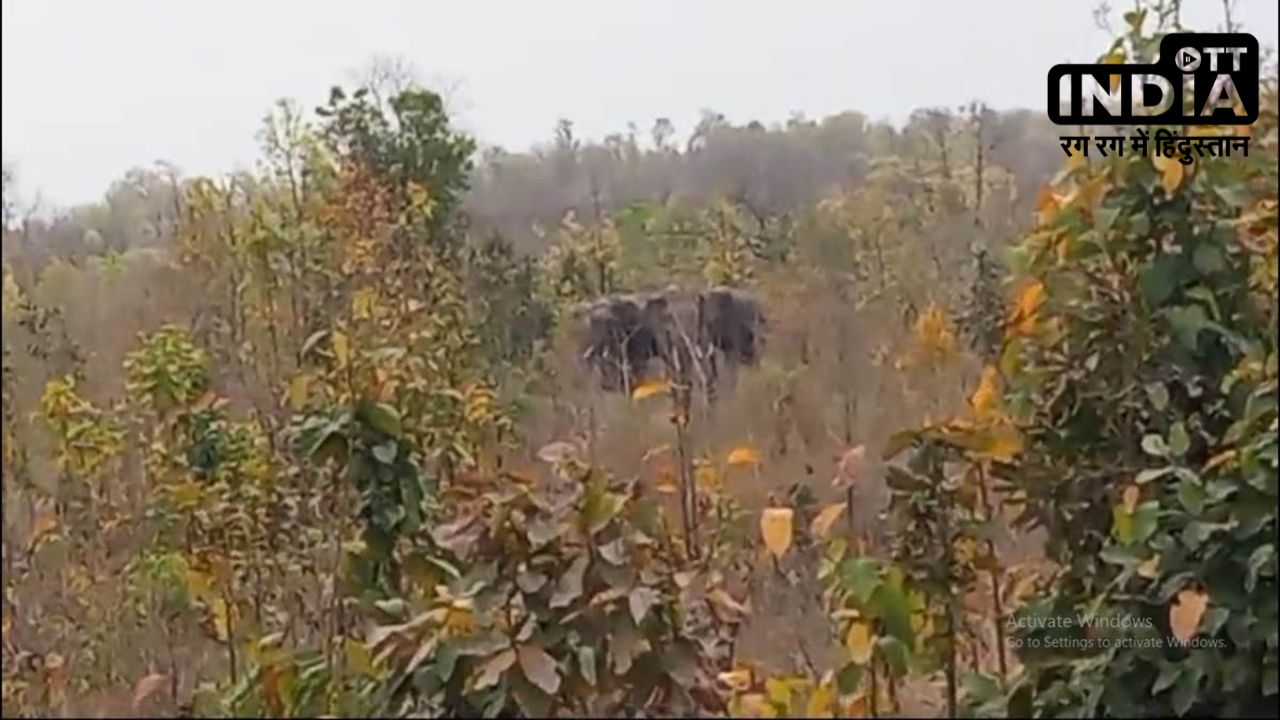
<point x="320" y="438"/>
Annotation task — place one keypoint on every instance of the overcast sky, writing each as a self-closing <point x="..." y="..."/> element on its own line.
<point x="92" y="88"/>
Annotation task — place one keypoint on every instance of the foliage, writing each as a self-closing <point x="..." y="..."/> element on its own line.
<point x="1144" y="378"/>
<point x="561" y="596"/>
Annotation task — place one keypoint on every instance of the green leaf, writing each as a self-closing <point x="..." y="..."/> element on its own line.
<point x="1153" y="444"/>
<point x="849" y="679"/>
<point x="1186" y="688"/>
<point x="600" y="506"/>
<point x="1262" y="557"/>
<point x="1146" y="476"/>
<point x="385" y="452"/>
<point x="381" y="417"/>
<point x="1208" y="259"/>
<point x="1179" y="442"/>
<point x="1169" y="674"/>
<point x="1187" y="321"/>
<point x="1191" y="495"/>
<point x="860" y="576"/>
<point x="1159" y="395"/>
<point x="891" y="606"/>
<point x="587" y="664"/>
<point x="1195" y="533"/>
<point x="898" y="442"/>
<point x="1146" y="519"/>
<point x="1105" y="217"/>
<point x="1238" y="195"/>
<point x="894" y="653"/>
<point x="1161" y="279"/>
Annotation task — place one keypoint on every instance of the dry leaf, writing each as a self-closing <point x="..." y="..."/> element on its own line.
<point x="736" y="680"/>
<point x="539" y="668"/>
<point x="147" y="687"/>
<point x="558" y="451"/>
<point x="849" y="469"/>
<point x="822" y="523"/>
<point x="1185" y="614"/>
<point x="858" y="706"/>
<point x="776" y="529"/>
<point x="44" y="523"/>
<point x="1150" y="569"/>
<point x="1130" y="498"/>
<point x="493" y="669"/>
<point x="729" y="609"/>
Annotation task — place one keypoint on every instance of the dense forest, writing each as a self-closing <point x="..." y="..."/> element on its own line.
<point x="832" y="418"/>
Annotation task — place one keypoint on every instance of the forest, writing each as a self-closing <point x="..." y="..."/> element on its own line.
<point x="827" y="418"/>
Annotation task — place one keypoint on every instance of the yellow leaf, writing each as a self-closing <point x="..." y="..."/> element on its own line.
<point x="859" y="642"/>
<point x="1171" y="172"/>
<point x="1047" y="204"/>
<point x="1150" y="569"/>
<point x="298" y="390"/>
<point x="821" y="702"/>
<point x="198" y="584"/>
<point x="188" y="494"/>
<point x="1027" y="307"/>
<point x="743" y="455"/>
<point x="219" y="619"/>
<point x="362" y="302"/>
<point x="822" y="523"/>
<point x="1185" y="614"/>
<point x="706" y="477"/>
<point x="987" y="395"/>
<point x="754" y="705"/>
<point x="1131" y="497"/>
<point x="775" y="529"/>
<point x="461" y="621"/>
<point x="341" y="347"/>
<point x="999" y="442"/>
<point x="649" y="389"/>
<point x="45" y="523"/>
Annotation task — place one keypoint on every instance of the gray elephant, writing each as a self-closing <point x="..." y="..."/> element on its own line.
<point x="628" y="338"/>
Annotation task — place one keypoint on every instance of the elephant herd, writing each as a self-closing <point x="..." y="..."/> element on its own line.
<point x="687" y="335"/>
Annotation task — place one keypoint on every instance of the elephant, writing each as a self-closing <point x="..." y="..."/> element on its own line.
<point x="628" y="338"/>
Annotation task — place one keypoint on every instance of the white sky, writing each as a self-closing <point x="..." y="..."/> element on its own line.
<point x="92" y="88"/>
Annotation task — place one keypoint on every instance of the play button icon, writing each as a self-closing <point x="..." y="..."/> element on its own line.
<point x="1187" y="59"/>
